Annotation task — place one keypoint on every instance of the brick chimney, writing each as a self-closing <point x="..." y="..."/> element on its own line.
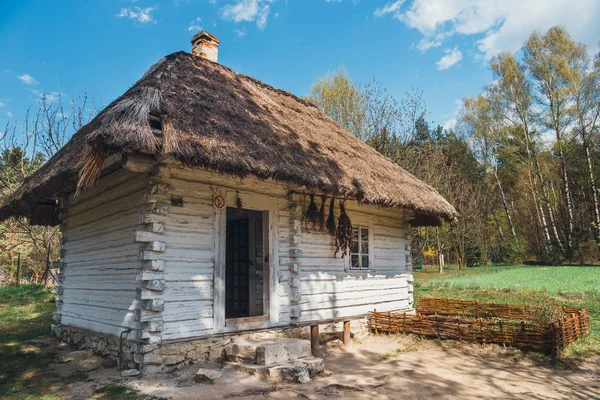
<point x="206" y="46"/>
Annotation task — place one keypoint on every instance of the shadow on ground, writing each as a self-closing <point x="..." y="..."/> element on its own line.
<point x="374" y="367"/>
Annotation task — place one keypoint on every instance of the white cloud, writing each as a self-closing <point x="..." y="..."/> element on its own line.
<point x="195" y="25"/>
<point x="2" y="104"/>
<point x="27" y="79"/>
<point x="449" y="124"/>
<point x="452" y="117"/>
<point x="139" y="14"/>
<point x="452" y="57"/>
<point x="389" y="8"/>
<point x="9" y="114"/>
<point x="249" y="11"/>
<point x="240" y="32"/>
<point x="497" y="25"/>
<point x="428" y="43"/>
<point x="48" y="97"/>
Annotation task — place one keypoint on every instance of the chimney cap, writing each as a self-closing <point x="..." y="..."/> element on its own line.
<point x="204" y="34"/>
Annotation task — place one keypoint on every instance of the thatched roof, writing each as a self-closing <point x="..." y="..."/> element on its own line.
<point x="214" y="118"/>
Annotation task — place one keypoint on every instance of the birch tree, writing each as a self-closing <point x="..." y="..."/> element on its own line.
<point x="584" y="89"/>
<point x="550" y="59"/>
<point x="478" y="116"/>
<point x="342" y="99"/>
<point x="513" y="102"/>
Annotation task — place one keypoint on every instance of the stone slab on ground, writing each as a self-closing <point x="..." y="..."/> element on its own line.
<point x="315" y="365"/>
<point x="128" y="373"/>
<point x="207" y="375"/>
<point x="296" y="372"/>
<point x="299" y="371"/>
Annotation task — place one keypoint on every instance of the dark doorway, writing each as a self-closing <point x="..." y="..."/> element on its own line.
<point x="245" y="264"/>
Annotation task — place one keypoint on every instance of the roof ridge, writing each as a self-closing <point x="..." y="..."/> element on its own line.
<point x="244" y="76"/>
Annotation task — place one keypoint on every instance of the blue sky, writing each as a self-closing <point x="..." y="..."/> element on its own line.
<point x="438" y="46"/>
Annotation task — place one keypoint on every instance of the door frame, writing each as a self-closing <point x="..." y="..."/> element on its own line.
<point x="267" y="205"/>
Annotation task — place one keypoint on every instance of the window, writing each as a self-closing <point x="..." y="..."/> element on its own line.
<point x="359" y="255"/>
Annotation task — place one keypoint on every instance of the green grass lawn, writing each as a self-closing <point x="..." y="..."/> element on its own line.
<point x="568" y="286"/>
<point x="25" y="367"/>
<point x="25" y="313"/>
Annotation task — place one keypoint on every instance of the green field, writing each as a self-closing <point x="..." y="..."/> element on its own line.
<point x="568" y="286"/>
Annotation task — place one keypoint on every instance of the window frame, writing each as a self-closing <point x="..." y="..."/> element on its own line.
<point x="361" y="254"/>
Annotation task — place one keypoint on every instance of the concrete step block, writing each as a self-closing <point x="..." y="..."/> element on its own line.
<point x="296" y="372"/>
<point x="282" y="351"/>
<point x="315" y="365"/>
<point x="268" y="351"/>
<point x="240" y="352"/>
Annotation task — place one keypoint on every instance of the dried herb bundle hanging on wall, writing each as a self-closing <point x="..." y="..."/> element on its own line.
<point x="343" y="234"/>
<point x="312" y="212"/>
<point x="331" y="218"/>
<point x="322" y="213"/>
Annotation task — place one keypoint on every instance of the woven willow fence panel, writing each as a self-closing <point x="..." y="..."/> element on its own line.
<point x="472" y="321"/>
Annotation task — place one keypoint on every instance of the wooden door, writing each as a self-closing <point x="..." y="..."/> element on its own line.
<point x="237" y="279"/>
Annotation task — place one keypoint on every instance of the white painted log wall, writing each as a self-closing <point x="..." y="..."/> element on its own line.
<point x="189" y="262"/>
<point x="327" y="290"/>
<point x="190" y="247"/>
<point x="99" y="277"/>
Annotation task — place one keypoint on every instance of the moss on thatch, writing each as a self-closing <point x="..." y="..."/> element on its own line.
<point x="214" y="118"/>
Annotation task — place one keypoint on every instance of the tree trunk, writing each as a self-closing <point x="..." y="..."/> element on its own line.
<point x="548" y="204"/>
<point x="532" y="159"/>
<point x="500" y="231"/>
<point x="540" y="213"/>
<point x="555" y="109"/>
<point x="590" y="167"/>
<point x="505" y="205"/>
<point x="568" y="203"/>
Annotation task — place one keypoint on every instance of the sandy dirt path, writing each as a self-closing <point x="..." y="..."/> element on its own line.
<point x="377" y="367"/>
<point x="399" y="367"/>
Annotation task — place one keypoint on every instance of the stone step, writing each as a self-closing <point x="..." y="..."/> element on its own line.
<point x="298" y="371"/>
<point x="268" y="351"/>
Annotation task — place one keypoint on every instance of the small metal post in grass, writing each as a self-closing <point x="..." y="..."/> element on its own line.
<point x="18" y="267"/>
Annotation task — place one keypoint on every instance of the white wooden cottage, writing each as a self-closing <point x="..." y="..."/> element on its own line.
<point x="183" y="207"/>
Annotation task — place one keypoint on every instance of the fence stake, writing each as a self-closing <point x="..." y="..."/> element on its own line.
<point x="375" y="321"/>
<point x="18" y="267"/>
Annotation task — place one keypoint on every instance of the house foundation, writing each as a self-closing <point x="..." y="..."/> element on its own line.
<point x="168" y="356"/>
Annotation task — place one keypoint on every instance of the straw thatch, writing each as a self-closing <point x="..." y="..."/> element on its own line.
<point x="213" y="118"/>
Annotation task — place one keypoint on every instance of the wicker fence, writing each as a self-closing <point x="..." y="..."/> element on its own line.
<point x="510" y="325"/>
